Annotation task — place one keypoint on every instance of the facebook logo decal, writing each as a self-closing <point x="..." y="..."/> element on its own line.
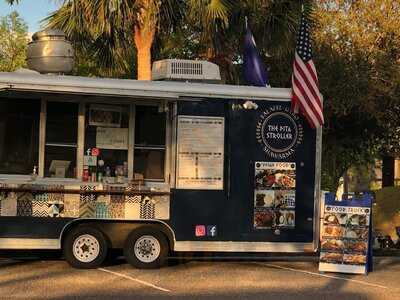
<point x="212" y="230"/>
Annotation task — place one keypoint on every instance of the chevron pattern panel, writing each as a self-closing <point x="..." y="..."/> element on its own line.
<point x="87" y="208"/>
<point x="147" y="209"/>
<point x="87" y="197"/>
<point x="39" y="208"/>
<point x="133" y="199"/>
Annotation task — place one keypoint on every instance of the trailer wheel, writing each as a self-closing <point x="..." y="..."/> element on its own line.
<point x="146" y="248"/>
<point x="85" y="248"/>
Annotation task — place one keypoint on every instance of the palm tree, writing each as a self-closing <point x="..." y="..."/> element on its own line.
<point x="109" y="29"/>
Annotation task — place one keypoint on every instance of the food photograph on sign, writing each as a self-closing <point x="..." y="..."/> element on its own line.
<point x="284" y="218"/>
<point x="263" y="219"/>
<point x="354" y="259"/>
<point x="264" y="198"/>
<point x="285" y="199"/>
<point x="274" y="195"/>
<point x="335" y="219"/>
<point x="332" y="245"/>
<point x="275" y="175"/>
<point x="334" y="231"/>
<point x="331" y="257"/>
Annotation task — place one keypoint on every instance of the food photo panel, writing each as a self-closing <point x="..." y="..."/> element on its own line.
<point x="275" y="175"/>
<point x="264" y="198"/>
<point x="263" y="219"/>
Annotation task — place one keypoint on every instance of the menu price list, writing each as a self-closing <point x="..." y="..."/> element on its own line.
<point x="200" y="160"/>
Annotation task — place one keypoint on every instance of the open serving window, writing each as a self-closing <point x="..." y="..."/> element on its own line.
<point x="77" y="137"/>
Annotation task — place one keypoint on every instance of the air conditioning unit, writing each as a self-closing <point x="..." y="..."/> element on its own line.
<point x="186" y="70"/>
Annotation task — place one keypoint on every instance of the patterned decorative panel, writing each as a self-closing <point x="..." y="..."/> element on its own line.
<point x="117" y="210"/>
<point x="87" y="203"/>
<point x="133" y="199"/>
<point x="39" y="208"/>
<point x="116" y="198"/>
<point x="9" y="205"/>
<point x="71" y="206"/>
<point x="55" y="209"/>
<point x="104" y="199"/>
<point x="161" y="207"/>
<point x="102" y="210"/>
<point x="41" y="197"/>
<point x="51" y="204"/>
<point x="2" y="197"/>
<point x="24" y="204"/>
<point x="147" y="209"/>
<point x="87" y="197"/>
<point x="87" y="208"/>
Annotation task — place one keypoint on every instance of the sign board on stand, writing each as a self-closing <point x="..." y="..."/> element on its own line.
<point x="346" y="235"/>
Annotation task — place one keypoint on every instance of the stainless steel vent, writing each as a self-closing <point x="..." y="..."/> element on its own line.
<point x="186" y="70"/>
<point x="50" y="52"/>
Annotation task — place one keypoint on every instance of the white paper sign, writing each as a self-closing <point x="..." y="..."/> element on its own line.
<point x="112" y="138"/>
<point x="200" y="152"/>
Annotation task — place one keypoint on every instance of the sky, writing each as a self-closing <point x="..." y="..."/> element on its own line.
<point x="32" y="11"/>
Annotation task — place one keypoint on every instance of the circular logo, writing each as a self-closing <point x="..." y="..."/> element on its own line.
<point x="279" y="131"/>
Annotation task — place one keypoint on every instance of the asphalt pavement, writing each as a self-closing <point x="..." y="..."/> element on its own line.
<point x="264" y="278"/>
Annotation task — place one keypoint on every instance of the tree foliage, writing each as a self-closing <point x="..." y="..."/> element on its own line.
<point x="358" y="60"/>
<point x="13" y="42"/>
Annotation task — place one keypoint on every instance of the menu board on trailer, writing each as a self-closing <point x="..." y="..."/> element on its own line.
<point x="200" y="148"/>
<point x="274" y="195"/>
<point x="345" y="235"/>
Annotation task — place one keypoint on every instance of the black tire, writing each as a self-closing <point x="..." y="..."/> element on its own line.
<point x="146" y="236"/>
<point x="80" y="232"/>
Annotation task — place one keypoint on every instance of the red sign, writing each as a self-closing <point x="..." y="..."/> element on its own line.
<point x="95" y="151"/>
<point x="200" y="230"/>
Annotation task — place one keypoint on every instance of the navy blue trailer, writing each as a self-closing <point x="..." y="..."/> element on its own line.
<point x="240" y="173"/>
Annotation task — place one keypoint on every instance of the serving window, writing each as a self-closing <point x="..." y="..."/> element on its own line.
<point x="106" y="129"/>
<point x="82" y="139"/>
<point x="61" y="140"/>
<point x="150" y="129"/>
<point x="19" y="135"/>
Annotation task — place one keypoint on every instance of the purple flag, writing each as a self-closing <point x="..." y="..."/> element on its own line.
<point x="254" y="70"/>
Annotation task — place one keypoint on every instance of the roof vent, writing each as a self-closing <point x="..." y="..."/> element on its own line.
<point x="50" y="52"/>
<point x="186" y="70"/>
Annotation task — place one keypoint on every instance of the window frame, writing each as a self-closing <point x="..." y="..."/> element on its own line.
<point x="24" y="177"/>
<point x="82" y="101"/>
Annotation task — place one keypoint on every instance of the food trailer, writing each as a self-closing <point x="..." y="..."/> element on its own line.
<point x="92" y="164"/>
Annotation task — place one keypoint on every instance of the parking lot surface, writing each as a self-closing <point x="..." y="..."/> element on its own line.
<point x="267" y="278"/>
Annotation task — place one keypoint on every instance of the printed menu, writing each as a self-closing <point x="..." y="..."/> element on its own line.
<point x="274" y="195"/>
<point x="200" y="143"/>
<point x="345" y="236"/>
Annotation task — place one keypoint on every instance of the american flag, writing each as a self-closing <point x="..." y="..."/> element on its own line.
<point x="305" y="88"/>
